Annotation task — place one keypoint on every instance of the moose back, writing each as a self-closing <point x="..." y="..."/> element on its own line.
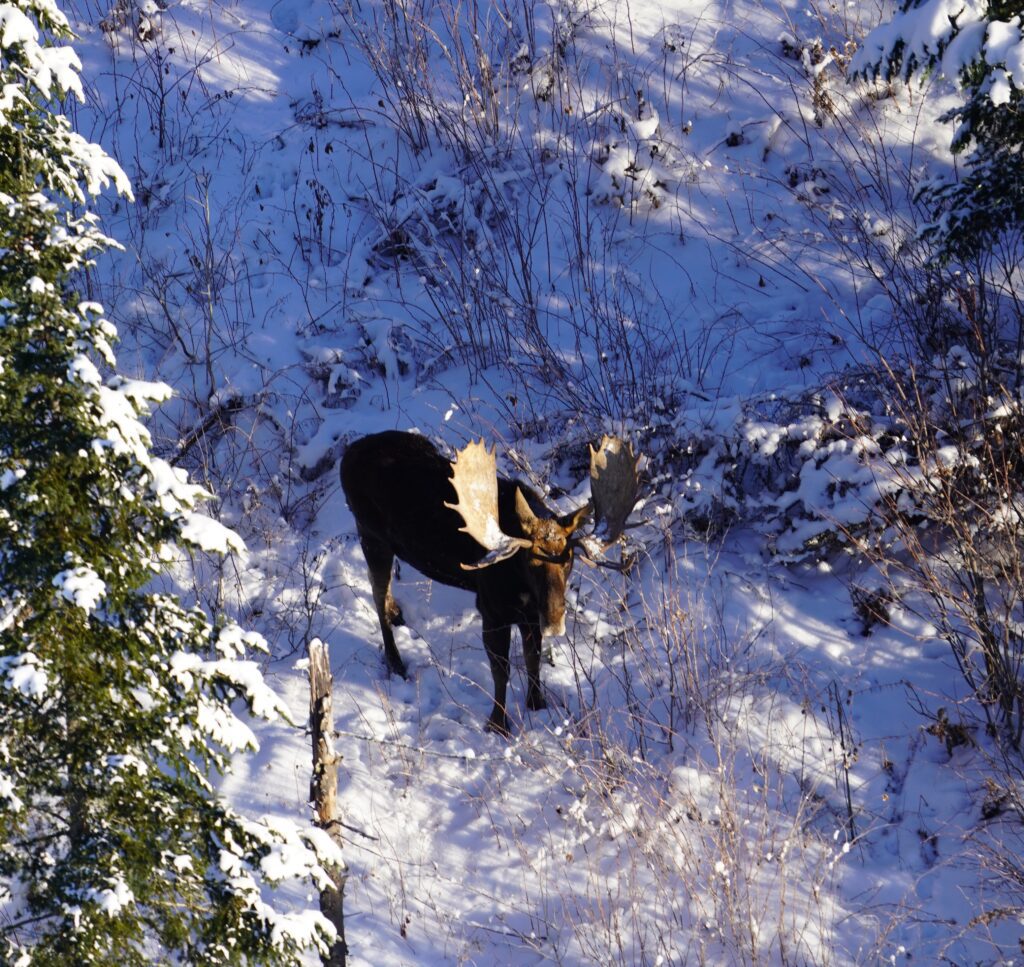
<point x="460" y="524"/>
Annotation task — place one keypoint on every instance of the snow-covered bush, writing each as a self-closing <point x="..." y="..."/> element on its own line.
<point x="808" y="472"/>
<point x="981" y="44"/>
<point x="916" y="469"/>
<point x="116" y="701"/>
<point x="950" y="523"/>
<point x="955" y="521"/>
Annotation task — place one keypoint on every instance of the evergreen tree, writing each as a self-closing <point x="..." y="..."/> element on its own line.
<point x="981" y="43"/>
<point x="115" y="700"/>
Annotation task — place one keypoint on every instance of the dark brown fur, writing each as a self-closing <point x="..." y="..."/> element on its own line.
<point x="397" y="485"/>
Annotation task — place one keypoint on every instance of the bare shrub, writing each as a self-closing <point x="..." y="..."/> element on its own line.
<point x="953" y="528"/>
<point x="919" y="466"/>
<point x="513" y="253"/>
<point x="683" y="855"/>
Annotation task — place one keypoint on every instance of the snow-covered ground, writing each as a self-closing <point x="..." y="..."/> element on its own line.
<point x="537" y="224"/>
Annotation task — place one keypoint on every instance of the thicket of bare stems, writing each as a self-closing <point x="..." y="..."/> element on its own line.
<point x="945" y="532"/>
<point x="712" y="865"/>
<point x="946" y="416"/>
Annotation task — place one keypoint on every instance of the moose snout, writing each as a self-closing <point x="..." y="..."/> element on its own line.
<point x="552" y="629"/>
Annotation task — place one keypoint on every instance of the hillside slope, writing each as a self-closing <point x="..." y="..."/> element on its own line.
<point x="671" y="220"/>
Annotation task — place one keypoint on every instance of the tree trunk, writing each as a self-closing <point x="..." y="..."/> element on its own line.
<point x="323" y="789"/>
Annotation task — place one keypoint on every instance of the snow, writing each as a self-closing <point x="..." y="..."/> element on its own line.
<point x="25" y="673"/>
<point x="118" y="763"/>
<point x="926" y="29"/>
<point x="83" y="369"/>
<point x="172" y="486"/>
<point x="922" y="30"/>
<point x="223" y="728"/>
<point x="15" y="27"/>
<point x="8" y="795"/>
<point x="684" y="797"/>
<point x="234" y="642"/>
<point x="964" y="48"/>
<point x="11" y="476"/>
<point x="214" y="719"/>
<point x="82" y="586"/>
<point x="287" y="856"/>
<point x="112" y="899"/>
<point x="1003" y="44"/>
<point x="210" y="535"/>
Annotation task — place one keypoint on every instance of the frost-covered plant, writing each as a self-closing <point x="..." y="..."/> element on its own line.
<point x="954" y="522"/>
<point x="116" y="701"/>
<point x="981" y="43"/>
<point x="807" y="470"/>
<point x="917" y="469"/>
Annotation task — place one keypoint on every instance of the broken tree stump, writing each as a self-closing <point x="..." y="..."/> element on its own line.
<point x="323" y="791"/>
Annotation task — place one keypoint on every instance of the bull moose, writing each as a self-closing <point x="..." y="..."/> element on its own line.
<point x="460" y="524"/>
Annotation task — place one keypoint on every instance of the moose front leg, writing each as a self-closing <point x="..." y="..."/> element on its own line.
<point x="379" y="560"/>
<point x="531" y="654"/>
<point x="496" y="641"/>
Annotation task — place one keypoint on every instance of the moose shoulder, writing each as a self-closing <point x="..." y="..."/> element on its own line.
<point x="460" y="524"/>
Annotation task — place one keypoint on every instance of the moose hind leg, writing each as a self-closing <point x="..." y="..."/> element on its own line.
<point x="496" y="642"/>
<point x="531" y="654"/>
<point x="379" y="560"/>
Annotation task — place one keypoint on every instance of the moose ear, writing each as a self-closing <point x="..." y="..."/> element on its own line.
<point x="573" y="521"/>
<point x="527" y="518"/>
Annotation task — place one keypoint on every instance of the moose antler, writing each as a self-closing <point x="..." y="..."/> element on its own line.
<point x="614" y="485"/>
<point x="475" y="480"/>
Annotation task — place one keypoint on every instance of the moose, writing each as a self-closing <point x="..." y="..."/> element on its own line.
<point x="459" y="523"/>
